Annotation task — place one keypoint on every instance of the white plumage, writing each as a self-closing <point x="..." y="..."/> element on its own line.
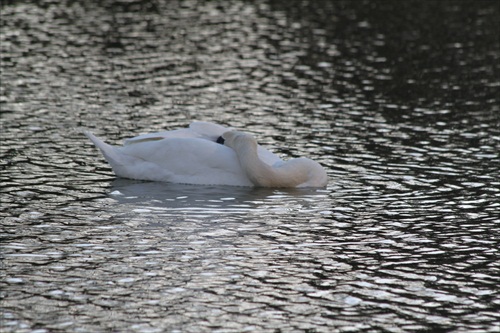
<point x="192" y="156"/>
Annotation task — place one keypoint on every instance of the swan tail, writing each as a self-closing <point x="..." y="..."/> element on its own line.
<point x="116" y="159"/>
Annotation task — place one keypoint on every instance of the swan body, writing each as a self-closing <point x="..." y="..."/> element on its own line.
<point x="193" y="156"/>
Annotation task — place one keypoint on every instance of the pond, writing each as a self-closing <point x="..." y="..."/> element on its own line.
<point x="397" y="100"/>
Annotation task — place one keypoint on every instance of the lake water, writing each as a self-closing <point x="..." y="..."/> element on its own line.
<point x="398" y="100"/>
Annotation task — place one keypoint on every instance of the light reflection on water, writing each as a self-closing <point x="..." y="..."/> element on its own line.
<point x="400" y="109"/>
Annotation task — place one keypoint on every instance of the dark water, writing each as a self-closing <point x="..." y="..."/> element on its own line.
<point x="397" y="99"/>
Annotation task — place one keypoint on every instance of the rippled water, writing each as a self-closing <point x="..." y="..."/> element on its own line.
<point x="398" y="100"/>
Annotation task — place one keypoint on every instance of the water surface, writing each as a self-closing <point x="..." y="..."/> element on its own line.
<point x="397" y="100"/>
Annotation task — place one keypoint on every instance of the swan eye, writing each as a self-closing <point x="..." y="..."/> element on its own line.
<point x="220" y="140"/>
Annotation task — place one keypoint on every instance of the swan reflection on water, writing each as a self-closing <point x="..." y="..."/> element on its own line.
<point x="168" y="197"/>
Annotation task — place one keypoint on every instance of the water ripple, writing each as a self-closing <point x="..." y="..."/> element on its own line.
<point x="403" y="115"/>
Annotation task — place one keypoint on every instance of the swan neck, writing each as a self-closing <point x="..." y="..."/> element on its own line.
<point x="256" y="170"/>
<point x="290" y="174"/>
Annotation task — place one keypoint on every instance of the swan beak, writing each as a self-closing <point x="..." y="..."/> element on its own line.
<point x="220" y="140"/>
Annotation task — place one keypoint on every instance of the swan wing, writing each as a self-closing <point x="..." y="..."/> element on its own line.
<point x="197" y="129"/>
<point x="178" y="133"/>
<point x="202" y="130"/>
<point x="184" y="160"/>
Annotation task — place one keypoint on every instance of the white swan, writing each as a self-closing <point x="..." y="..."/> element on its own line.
<point x="195" y="155"/>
